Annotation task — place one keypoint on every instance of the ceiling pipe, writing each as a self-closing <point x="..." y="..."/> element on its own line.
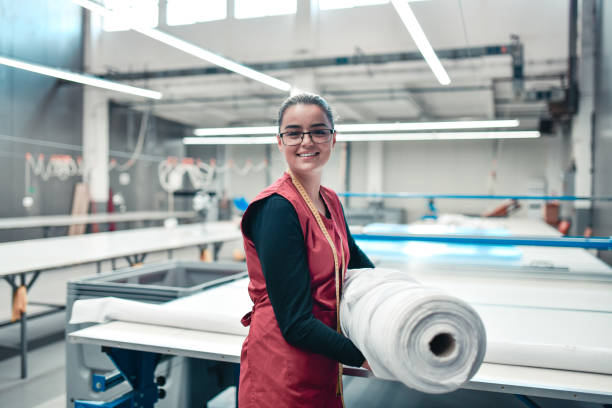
<point x="361" y="59"/>
<point x="572" y="68"/>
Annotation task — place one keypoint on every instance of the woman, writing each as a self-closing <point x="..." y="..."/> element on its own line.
<point x="297" y="248"/>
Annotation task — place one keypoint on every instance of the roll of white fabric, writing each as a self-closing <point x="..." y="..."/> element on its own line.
<point x="419" y="335"/>
<point x="218" y="309"/>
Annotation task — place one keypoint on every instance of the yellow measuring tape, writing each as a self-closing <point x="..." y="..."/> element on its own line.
<point x="315" y="212"/>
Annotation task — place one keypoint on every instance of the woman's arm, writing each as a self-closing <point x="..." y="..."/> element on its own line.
<point x="275" y="230"/>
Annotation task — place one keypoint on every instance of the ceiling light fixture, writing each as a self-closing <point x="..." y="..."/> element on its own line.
<point x="252" y="130"/>
<point x="374" y="137"/>
<point x="408" y="126"/>
<point x="369" y="127"/>
<point x="419" y="37"/>
<point x="187" y="47"/>
<point x="80" y="78"/>
<point x="371" y="137"/>
<point x="222" y="140"/>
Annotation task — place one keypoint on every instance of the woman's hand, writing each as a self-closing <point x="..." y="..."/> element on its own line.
<point x="366" y="365"/>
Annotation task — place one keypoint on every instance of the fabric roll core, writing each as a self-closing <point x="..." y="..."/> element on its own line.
<point x="442" y="345"/>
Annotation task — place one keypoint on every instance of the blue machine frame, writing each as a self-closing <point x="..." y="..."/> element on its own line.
<point x="476" y="196"/>
<point x="601" y="243"/>
<point x="136" y="367"/>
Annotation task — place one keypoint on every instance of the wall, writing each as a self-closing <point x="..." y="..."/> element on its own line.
<point x="38" y="114"/>
<point x="603" y="130"/>
<point x="162" y="139"/>
<point x="444" y="167"/>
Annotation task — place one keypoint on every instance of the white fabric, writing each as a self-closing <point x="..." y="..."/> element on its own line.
<point x="393" y="319"/>
<point x="564" y="325"/>
<point x="578" y="340"/>
<point x="217" y="309"/>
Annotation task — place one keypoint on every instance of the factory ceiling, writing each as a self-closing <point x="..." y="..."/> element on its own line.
<point x="362" y="59"/>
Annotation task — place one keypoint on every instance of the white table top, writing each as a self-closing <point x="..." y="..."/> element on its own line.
<point x="541" y="382"/>
<point x="49" y="253"/>
<point x="575" y="260"/>
<point x="526" y="226"/>
<point x="547" y="260"/>
<point x="63" y="220"/>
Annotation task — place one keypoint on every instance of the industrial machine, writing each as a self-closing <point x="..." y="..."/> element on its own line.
<point x="90" y="374"/>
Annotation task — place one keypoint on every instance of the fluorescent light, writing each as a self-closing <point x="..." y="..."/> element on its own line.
<point x="245" y="140"/>
<point x="373" y="137"/>
<point x="80" y="78"/>
<point x="368" y="127"/>
<point x="370" y="137"/>
<point x="253" y="130"/>
<point x="415" y="30"/>
<point x="187" y="47"/>
<point x="393" y="127"/>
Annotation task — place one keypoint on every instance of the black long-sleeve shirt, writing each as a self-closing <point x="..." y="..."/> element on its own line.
<point x="274" y="227"/>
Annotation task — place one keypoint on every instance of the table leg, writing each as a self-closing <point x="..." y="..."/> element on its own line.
<point x="528" y="402"/>
<point x="216" y="248"/>
<point x="24" y="338"/>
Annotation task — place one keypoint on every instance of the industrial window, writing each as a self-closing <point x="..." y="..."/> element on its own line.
<point x="141" y="12"/>
<point x="340" y="4"/>
<point x="180" y="12"/>
<point x="262" y="8"/>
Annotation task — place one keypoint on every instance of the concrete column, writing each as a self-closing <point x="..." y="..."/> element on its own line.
<point x="583" y="122"/>
<point x="95" y="144"/>
<point x="375" y="169"/>
<point x="305" y="44"/>
<point x="95" y="123"/>
<point x="582" y="125"/>
<point x="555" y="163"/>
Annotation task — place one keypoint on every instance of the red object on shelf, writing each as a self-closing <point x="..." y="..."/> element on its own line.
<point x="503" y="210"/>
<point x="92" y="209"/>
<point x="110" y="208"/>
<point x="564" y="226"/>
<point x="551" y="213"/>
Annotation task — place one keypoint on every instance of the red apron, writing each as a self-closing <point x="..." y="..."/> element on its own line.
<point x="273" y="373"/>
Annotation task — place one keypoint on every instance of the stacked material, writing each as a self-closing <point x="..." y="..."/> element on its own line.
<point x="576" y="340"/>
<point x="421" y="336"/>
<point x="218" y="309"/>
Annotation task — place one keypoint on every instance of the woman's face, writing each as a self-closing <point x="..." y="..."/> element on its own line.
<point x="308" y="157"/>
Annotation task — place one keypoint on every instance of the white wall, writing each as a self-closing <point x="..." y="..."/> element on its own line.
<point x="442" y="167"/>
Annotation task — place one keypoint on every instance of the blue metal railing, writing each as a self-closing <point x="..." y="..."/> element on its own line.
<point x="475" y="196"/>
<point x="601" y="243"/>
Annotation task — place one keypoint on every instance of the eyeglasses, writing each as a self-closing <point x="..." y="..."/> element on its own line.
<point x="294" y="137"/>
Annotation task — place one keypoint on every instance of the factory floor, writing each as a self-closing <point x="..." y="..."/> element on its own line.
<point x="45" y="385"/>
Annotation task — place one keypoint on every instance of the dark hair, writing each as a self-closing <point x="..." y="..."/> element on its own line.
<point x="305" y="99"/>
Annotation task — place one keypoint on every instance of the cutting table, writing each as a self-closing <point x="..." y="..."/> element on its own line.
<point x="47" y="221"/>
<point x="553" y="281"/>
<point x="521" y="380"/>
<point x="532" y="260"/>
<point x="24" y="261"/>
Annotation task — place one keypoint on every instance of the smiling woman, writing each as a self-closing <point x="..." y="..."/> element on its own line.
<point x="298" y="248"/>
<point x="306" y="152"/>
